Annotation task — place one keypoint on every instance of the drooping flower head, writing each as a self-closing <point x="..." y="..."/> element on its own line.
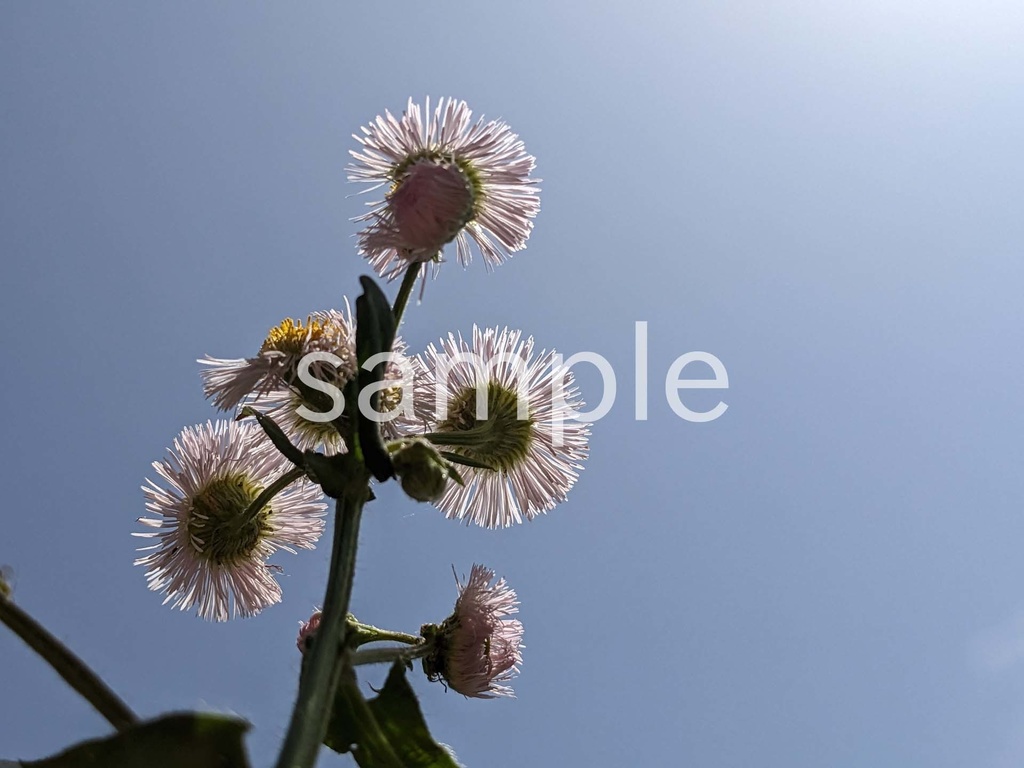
<point x="211" y="549"/>
<point x="449" y="179"/>
<point x="497" y="404"/>
<point x="275" y="367"/>
<point x="478" y="647"/>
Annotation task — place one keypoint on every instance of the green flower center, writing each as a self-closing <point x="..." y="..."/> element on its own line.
<point x="502" y="440"/>
<point x="223" y="533"/>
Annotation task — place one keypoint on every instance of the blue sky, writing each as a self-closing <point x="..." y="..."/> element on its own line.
<point x="825" y="197"/>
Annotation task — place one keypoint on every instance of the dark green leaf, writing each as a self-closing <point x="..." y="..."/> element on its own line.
<point x="386" y="728"/>
<point x="375" y="323"/>
<point x="332" y="473"/>
<point x="185" y="740"/>
<point x="375" y="333"/>
<point x="276" y="435"/>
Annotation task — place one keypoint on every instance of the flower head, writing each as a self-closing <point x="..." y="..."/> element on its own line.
<point x="496" y="404"/>
<point x="229" y="381"/>
<point x="450" y="179"/>
<point x="283" y="406"/>
<point x="478" y="647"/>
<point x="211" y="547"/>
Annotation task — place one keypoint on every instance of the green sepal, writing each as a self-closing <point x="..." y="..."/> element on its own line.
<point x="453" y="474"/>
<point x="465" y="437"/>
<point x="276" y="435"/>
<point x="466" y="461"/>
<point x="181" y="740"/>
<point x="375" y="333"/>
<point x="388" y="731"/>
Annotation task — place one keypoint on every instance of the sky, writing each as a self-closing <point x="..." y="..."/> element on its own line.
<point x="825" y="197"/>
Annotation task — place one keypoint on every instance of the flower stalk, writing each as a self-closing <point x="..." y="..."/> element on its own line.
<point x="267" y="494"/>
<point x="402" y="299"/>
<point x="321" y="673"/>
<point x="72" y="669"/>
<point x="361" y="634"/>
<point x="390" y="655"/>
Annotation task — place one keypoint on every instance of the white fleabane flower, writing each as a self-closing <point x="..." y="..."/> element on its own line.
<point x="530" y="437"/>
<point x="449" y="179"/>
<point x="230" y="381"/>
<point x="283" y="406"/>
<point x="479" y="646"/>
<point x="210" y="551"/>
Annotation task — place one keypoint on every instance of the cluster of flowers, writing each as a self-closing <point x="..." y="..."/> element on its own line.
<point x="229" y="500"/>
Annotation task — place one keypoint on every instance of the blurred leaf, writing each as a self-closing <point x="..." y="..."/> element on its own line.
<point x="388" y="730"/>
<point x="186" y="740"/>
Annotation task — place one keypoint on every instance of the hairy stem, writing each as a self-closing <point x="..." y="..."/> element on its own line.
<point x="74" y="671"/>
<point x="321" y="671"/>
<point x="390" y="655"/>
<point x="268" y="493"/>
<point x="367" y="633"/>
<point x="408" y="282"/>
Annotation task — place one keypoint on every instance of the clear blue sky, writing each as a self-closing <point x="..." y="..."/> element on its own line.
<point x="825" y="196"/>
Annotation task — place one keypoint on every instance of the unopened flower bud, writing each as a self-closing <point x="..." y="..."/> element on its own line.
<point x="431" y="205"/>
<point x="421" y="469"/>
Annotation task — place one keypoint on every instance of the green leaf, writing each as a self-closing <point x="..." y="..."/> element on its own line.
<point x="387" y="731"/>
<point x="374" y="320"/>
<point x="183" y="740"/>
<point x="334" y="473"/>
<point x="375" y="333"/>
<point x="276" y="435"/>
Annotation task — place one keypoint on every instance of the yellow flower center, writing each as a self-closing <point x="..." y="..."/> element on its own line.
<point x="291" y="337"/>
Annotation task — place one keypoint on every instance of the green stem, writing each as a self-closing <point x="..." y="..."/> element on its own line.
<point x="321" y="671"/>
<point x="270" y="492"/>
<point x="408" y="283"/>
<point x="367" y="633"/>
<point x="74" y="671"/>
<point x="390" y="655"/>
